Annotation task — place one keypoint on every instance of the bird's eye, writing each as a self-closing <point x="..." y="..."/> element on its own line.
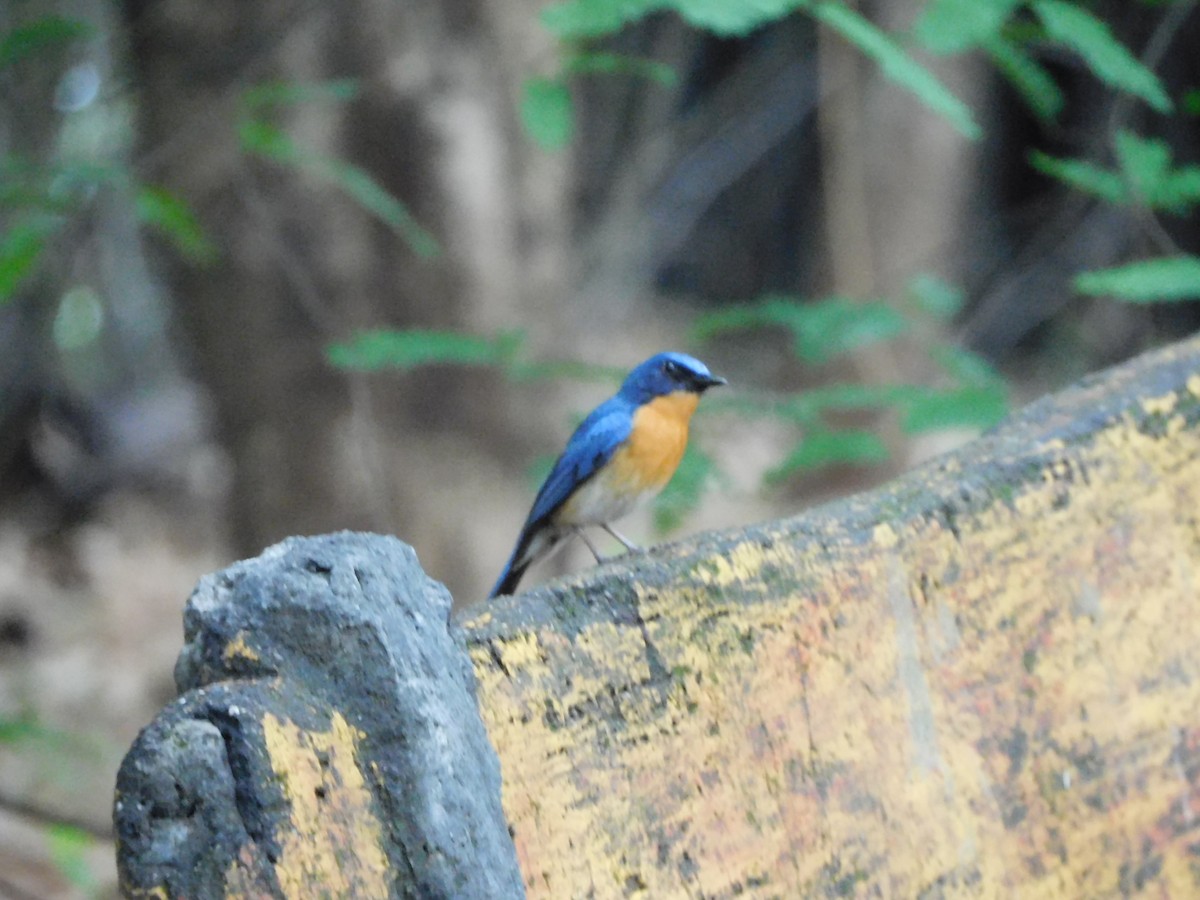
<point x="672" y="368"/>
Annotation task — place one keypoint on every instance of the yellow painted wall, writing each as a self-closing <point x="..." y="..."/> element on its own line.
<point x="980" y="681"/>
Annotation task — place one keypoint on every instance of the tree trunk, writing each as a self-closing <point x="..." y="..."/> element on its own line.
<point x="302" y="265"/>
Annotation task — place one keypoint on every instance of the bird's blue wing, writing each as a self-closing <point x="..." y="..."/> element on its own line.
<point x="590" y="447"/>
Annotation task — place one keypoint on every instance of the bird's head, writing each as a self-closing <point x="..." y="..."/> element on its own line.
<point x="668" y="373"/>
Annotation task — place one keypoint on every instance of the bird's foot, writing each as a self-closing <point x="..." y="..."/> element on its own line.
<point x="600" y="558"/>
<point x="629" y="545"/>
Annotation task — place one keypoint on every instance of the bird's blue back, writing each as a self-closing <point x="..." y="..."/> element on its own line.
<point x="592" y="445"/>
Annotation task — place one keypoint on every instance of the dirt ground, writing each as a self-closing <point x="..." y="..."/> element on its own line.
<point x="90" y="625"/>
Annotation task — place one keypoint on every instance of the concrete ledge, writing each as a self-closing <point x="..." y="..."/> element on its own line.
<point x="327" y="741"/>
<point x="980" y="680"/>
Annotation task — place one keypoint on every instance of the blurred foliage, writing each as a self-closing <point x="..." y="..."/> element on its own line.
<point x="38" y="200"/>
<point x="577" y="21"/>
<point x="68" y="844"/>
<point x="970" y="393"/>
<point x="260" y="136"/>
<point x="1145" y="176"/>
<point x="379" y="350"/>
<point x="897" y="64"/>
<point x="1007" y="31"/>
<point x="371" y="351"/>
<point x="684" y="491"/>
<point x="1075" y="27"/>
<point x="820" y="329"/>
<point x="68" y="849"/>
<point x="170" y="216"/>
<point x="39" y="36"/>
<point x="973" y="395"/>
<point x="1147" y="281"/>
<point x="547" y="112"/>
<point x="997" y="27"/>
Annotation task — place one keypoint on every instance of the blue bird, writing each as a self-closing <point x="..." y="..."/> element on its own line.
<point x="622" y="455"/>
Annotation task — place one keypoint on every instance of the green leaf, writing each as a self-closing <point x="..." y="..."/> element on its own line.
<point x="896" y="64"/>
<point x="954" y="26"/>
<point x="68" y="849"/>
<point x="27" y="40"/>
<point x="966" y="367"/>
<point x="682" y="494"/>
<point x="162" y="210"/>
<point x="547" y="113"/>
<point x="374" y="198"/>
<point x="284" y="93"/>
<point x="268" y="141"/>
<point x="1107" y="57"/>
<point x="1148" y="281"/>
<point x="21" y="248"/>
<point x="1146" y="164"/>
<point x="581" y="19"/>
<point x="821" y="329"/>
<point x="936" y="297"/>
<point x="1191" y="101"/>
<point x="370" y="351"/>
<point x="618" y="64"/>
<point x="822" y="447"/>
<point x="972" y="406"/>
<point x="578" y="19"/>
<point x="733" y="18"/>
<point x="1037" y="86"/>
<point x="16" y="730"/>
<point x="1081" y="175"/>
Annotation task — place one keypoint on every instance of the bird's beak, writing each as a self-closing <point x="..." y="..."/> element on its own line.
<point x="705" y="382"/>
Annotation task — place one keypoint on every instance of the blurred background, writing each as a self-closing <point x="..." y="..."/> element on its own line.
<point x="288" y="268"/>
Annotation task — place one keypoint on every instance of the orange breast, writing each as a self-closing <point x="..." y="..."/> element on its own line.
<point x="656" y="442"/>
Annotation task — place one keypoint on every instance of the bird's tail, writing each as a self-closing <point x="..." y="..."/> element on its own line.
<point x="509" y="578"/>
<point x="533" y="544"/>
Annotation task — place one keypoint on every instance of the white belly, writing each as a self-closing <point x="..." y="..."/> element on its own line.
<point x="601" y="500"/>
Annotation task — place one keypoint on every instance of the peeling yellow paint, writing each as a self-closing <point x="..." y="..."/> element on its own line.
<point x="239" y="649"/>
<point x="332" y="842"/>
<point x="1008" y="704"/>
<point x="1161" y="405"/>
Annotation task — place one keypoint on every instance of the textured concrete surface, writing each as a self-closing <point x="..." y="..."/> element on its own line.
<point x="326" y="743"/>
<point x="981" y="680"/>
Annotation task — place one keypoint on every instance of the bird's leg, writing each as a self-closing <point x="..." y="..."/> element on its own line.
<point x="629" y="545"/>
<point x="596" y="553"/>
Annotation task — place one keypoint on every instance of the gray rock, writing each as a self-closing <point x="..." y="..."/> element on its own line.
<point x="327" y="741"/>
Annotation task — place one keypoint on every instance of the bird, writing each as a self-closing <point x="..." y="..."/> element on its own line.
<point x="619" y="457"/>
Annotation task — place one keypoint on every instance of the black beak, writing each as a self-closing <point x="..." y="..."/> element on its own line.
<point x="703" y="382"/>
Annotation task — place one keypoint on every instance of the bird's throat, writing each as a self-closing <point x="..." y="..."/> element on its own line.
<point x="659" y="437"/>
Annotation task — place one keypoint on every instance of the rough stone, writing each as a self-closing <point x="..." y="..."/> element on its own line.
<point x="327" y="740"/>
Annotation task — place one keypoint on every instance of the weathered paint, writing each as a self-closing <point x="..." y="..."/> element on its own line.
<point x="981" y="681"/>
<point x="332" y="837"/>
<point x="238" y="649"/>
<point x="158" y="892"/>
